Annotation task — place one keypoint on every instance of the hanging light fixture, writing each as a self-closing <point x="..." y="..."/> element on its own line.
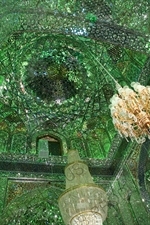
<point x="130" y="110"/>
<point x="83" y="202"/>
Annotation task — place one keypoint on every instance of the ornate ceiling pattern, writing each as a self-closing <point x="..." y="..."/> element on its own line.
<point x="59" y="61"/>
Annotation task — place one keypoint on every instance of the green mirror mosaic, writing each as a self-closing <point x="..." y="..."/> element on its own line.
<point x="56" y="58"/>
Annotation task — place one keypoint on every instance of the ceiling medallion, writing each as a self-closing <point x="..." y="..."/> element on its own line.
<point x="53" y="77"/>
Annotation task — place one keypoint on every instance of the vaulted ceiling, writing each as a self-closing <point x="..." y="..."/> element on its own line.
<point x="59" y="61"/>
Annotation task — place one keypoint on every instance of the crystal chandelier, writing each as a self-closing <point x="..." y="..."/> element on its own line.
<point x="130" y="110"/>
<point x="83" y="202"/>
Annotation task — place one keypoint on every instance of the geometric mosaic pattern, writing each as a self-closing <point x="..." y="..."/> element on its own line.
<point x="58" y="63"/>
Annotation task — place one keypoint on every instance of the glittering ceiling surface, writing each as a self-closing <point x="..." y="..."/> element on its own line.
<point x="56" y="58"/>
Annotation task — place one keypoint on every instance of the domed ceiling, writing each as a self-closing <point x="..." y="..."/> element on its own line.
<point x="59" y="61"/>
<point x="56" y="58"/>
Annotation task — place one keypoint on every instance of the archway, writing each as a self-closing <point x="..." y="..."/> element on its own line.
<point x="49" y="145"/>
